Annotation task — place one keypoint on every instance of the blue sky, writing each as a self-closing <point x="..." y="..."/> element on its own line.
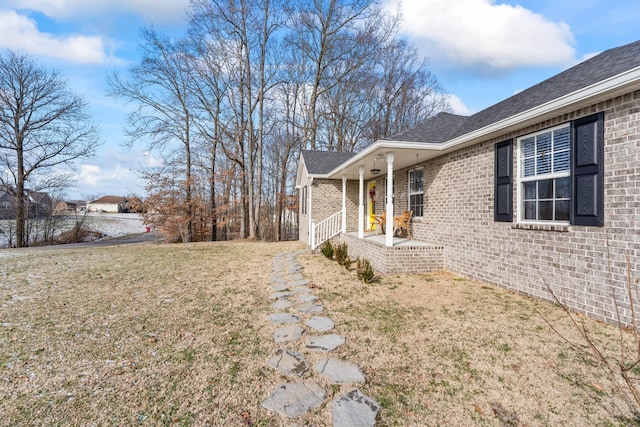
<point x="482" y="51"/>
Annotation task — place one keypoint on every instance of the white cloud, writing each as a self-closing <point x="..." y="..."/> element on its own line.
<point x="457" y="106"/>
<point x="117" y="180"/>
<point x="89" y="175"/>
<point x="21" y="33"/>
<point x="157" y="11"/>
<point x="485" y="36"/>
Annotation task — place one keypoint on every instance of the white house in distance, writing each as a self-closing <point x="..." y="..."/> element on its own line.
<point x="540" y="191"/>
<point x="111" y="204"/>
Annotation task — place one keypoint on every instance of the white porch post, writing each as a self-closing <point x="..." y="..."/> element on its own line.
<point x="389" y="229"/>
<point x="344" y="203"/>
<point x="312" y="223"/>
<point x="361" y="204"/>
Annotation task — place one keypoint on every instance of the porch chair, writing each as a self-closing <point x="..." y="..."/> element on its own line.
<point x="381" y="221"/>
<point x="402" y="223"/>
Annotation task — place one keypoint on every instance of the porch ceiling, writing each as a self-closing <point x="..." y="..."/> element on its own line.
<point x="404" y="155"/>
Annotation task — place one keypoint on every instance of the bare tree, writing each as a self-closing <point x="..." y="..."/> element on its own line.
<point x="247" y="28"/>
<point x="405" y="92"/>
<point x="336" y="38"/>
<point x="162" y="118"/>
<point x="43" y="124"/>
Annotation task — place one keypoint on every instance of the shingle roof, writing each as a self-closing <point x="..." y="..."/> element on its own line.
<point x="322" y="162"/>
<point x="109" y="200"/>
<point x="436" y="129"/>
<point x="601" y="67"/>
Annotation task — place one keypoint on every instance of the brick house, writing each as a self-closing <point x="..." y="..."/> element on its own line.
<point x="540" y="189"/>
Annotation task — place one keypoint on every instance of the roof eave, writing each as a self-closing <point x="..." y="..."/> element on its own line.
<point x="597" y="92"/>
<point x="605" y="89"/>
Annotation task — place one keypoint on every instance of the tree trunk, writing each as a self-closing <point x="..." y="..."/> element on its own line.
<point x="20" y="208"/>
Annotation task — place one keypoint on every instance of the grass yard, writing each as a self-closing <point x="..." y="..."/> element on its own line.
<point x="178" y="335"/>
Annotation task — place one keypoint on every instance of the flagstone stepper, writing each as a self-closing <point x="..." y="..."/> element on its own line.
<point x="310" y="308"/>
<point x="289" y="362"/>
<point x="354" y="409"/>
<point x="295" y="399"/>
<point x="340" y="371"/>
<point x="307" y="298"/>
<point x="325" y="342"/>
<point x="288" y="333"/>
<point x="281" y="295"/>
<point x="320" y="324"/>
<point x="281" y="304"/>
<point x="283" y="318"/>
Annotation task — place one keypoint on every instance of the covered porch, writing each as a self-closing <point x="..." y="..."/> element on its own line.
<point x="355" y="221"/>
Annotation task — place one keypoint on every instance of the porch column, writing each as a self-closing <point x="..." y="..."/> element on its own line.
<point x="344" y="203"/>
<point x="389" y="230"/>
<point x="312" y="223"/>
<point x="361" y="204"/>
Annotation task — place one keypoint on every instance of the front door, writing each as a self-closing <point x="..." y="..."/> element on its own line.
<point x="371" y="203"/>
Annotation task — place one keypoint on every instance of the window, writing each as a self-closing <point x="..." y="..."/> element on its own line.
<point x="303" y="204"/>
<point x="416" y="191"/>
<point x="545" y="183"/>
<point x="561" y="175"/>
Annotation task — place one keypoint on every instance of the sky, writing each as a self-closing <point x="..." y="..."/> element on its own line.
<point x="481" y="51"/>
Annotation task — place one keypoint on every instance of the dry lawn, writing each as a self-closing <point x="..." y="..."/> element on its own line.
<point x="177" y="335"/>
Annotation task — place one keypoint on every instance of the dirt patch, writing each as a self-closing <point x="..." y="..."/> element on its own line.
<point x="178" y="334"/>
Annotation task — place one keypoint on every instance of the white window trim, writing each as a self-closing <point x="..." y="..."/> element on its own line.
<point x="409" y="193"/>
<point x="521" y="180"/>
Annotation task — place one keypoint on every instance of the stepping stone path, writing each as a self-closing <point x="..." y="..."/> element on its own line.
<point x="292" y="291"/>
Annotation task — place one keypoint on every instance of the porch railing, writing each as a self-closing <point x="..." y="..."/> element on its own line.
<point x="326" y="229"/>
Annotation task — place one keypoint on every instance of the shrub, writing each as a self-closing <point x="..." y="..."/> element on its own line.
<point x="341" y="253"/>
<point x="347" y="263"/>
<point x="327" y="249"/>
<point x="365" y="271"/>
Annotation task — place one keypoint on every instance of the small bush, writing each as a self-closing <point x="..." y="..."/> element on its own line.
<point x="327" y="249"/>
<point x="341" y="253"/>
<point x="347" y="263"/>
<point x="365" y="271"/>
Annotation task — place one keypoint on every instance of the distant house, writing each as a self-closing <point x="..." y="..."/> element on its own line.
<point x="63" y="207"/>
<point x="7" y="203"/>
<point x="38" y="204"/>
<point x="113" y="204"/>
<point x="540" y="189"/>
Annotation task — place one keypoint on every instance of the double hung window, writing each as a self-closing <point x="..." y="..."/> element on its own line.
<point x="416" y="191"/>
<point x="545" y="183"/>
<point x="560" y="176"/>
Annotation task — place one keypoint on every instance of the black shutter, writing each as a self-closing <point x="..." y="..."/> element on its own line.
<point x="503" y="190"/>
<point x="587" y="171"/>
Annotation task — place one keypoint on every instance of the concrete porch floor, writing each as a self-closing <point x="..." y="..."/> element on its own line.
<point x="380" y="239"/>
